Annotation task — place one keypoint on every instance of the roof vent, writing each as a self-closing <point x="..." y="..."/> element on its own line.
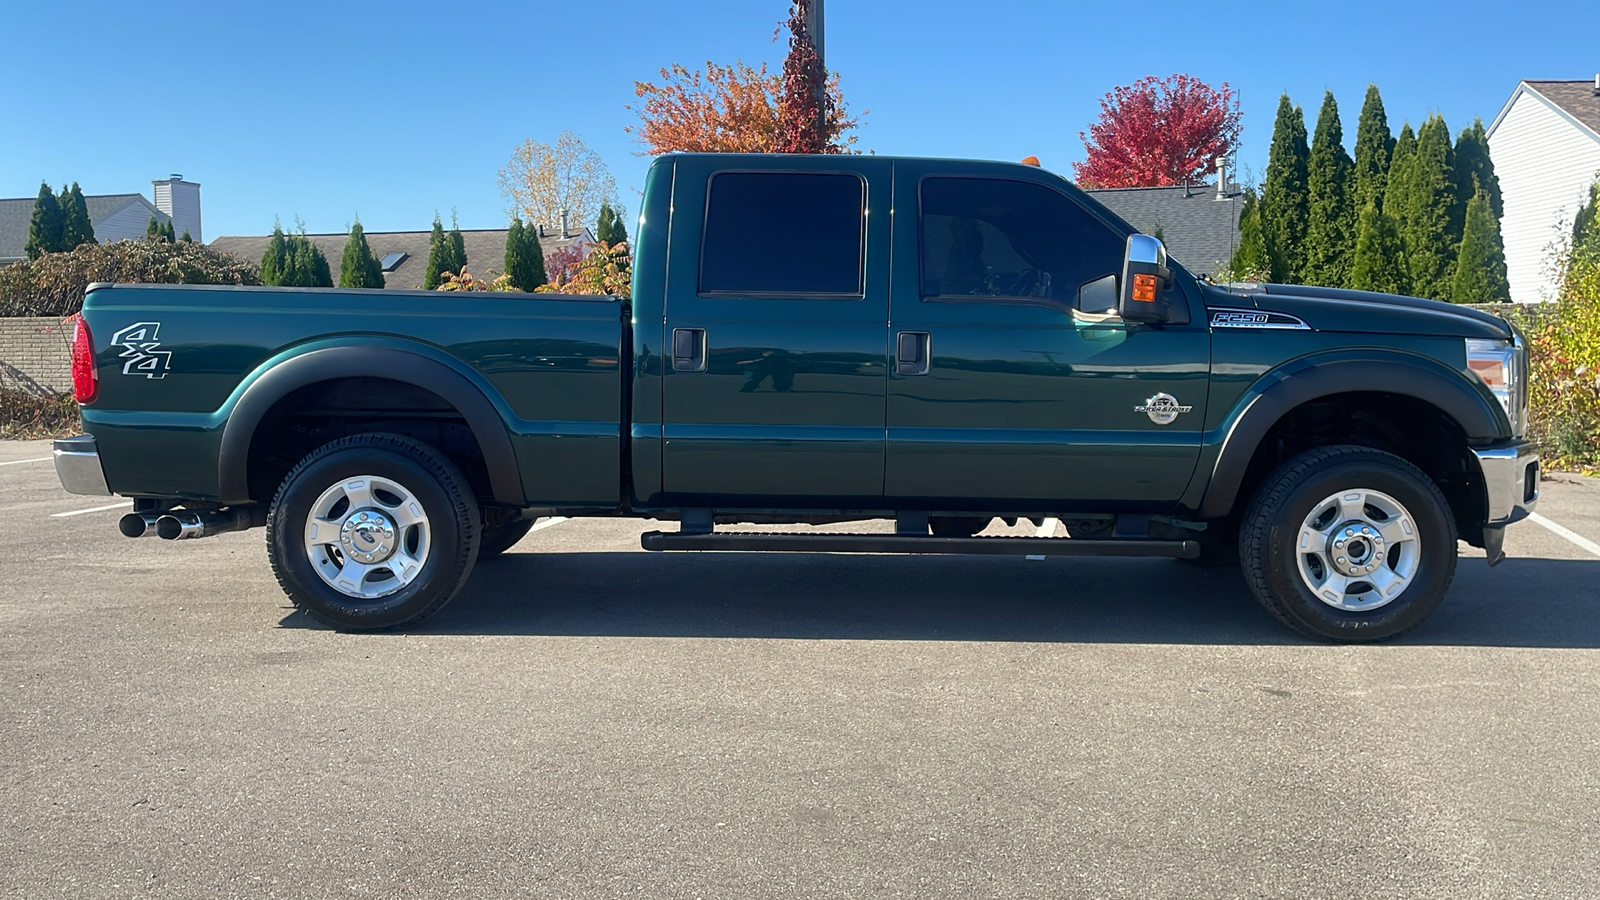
<point x="1597" y="85"/>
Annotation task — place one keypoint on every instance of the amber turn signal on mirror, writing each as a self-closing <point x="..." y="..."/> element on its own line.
<point x="1144" y="288"/>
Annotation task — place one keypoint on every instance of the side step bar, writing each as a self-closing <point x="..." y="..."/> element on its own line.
<point x="783" y="542"/>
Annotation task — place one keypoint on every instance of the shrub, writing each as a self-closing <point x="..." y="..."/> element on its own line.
<point x="53" y="284"/>
<point x="464" y="281"/>
<point x="1564" y="370"/>
<point x="606" y="270"/>
<point x="27" y="416"/>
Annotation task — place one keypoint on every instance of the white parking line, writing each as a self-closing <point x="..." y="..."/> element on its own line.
<point x="553" y="520"/>
<point x="92" y="509"/>
<point x="1046" y="529"/>
<point x="18" y="462"/>
<point x="1566" y="532"/>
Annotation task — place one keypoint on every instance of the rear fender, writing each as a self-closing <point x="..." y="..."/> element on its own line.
<point x="408" y="363"/>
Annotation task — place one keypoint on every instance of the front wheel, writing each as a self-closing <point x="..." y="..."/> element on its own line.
<point x="373" y="531"/>
<point x="1348" y="543"/>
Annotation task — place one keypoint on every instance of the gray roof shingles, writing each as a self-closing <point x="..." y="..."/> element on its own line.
<point x="1578" y="98"/>
<point x="486" y="251"/>
<point x="1199" y="230"/>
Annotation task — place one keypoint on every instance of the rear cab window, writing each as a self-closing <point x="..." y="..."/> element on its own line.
<point x="784" y="234"/>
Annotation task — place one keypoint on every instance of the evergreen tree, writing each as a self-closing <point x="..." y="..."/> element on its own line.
<point x="153" y="230"/>
<point x="1474" y="170"/>
<point x="1252" y="260"/>
<point x="76" y="229"/>
<point x="44" y="228"/>
<point x="610" y="230"/>
<point x="1586" y="227"/>
<point x="1374" y="149"/>
<point x="1379" y="263"/>
<point x="1429" y="216"/>
<point x="1331" y="217"/>
<point x="321" y="272"/>
<point x="524" y="256"/>
<point x="186" y="238"/>
<point x="1481" y="262"/>
<point x="458" y="247"/>
<point x="358" y="268"/>
<point x="438" y="256"/>
<point x="167" y="233"/>
<point x="1283" y="195"/>
<point x="276" y="261"/>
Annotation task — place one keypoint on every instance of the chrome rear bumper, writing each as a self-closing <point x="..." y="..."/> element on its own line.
<point x="78" y="466"/>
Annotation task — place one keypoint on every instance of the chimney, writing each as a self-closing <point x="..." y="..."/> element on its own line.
<point x="1222" y="178"/>
<point x="1597" y="85"/>
<point x="180" y="200"/>
<point x="564" y="214"/>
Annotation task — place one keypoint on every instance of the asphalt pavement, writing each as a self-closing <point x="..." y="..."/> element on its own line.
<point x="590" y="720"/>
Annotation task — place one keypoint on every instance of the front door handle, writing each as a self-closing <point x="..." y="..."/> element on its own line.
<point x="911" y="352"/>
<point x="688" y="349"/>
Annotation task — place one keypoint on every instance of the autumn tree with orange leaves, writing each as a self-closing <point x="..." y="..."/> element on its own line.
<point x="1158" y="132"/>
<point x="740" y="109"/>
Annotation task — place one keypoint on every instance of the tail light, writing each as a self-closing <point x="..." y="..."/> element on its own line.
<point x="85" y="380"/>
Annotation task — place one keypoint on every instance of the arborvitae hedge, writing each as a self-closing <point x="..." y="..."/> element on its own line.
<point x="44" y="227"/>
<point x="1374" y="147"/>
<point x="439" y="257"/>
<point x="524" y="256"/>
<point x="358" y="268"/>
<point x="1331" y="219"/>
<point x="1429" y="215"/>
<point x="1379" y="261"/>
<point x="1481" y="262"/>
<point x="1283" y="196"/>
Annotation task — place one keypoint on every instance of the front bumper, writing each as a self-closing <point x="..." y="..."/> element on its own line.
<point x="1511" y="486"/>
<point x="78" y="466"/>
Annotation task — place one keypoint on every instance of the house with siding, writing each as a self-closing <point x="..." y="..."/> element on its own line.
<point x="403" y="255"/>
<point x="115" y="217"/>
<point x="1545" y="144"/>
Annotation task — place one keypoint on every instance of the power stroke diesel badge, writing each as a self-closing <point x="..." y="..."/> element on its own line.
<point x="1163" y="409"/>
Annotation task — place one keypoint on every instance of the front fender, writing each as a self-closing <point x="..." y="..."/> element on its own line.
<point x="1369" y="370"/>
<point x="365" y="357"/>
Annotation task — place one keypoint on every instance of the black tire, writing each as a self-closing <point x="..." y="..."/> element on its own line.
<point x="494" y="540"/>
<point x="1292" y="492"/>
<point x="433" y="481"/>
<point x="957" y="526"/>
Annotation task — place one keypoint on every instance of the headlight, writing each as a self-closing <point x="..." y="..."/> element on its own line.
<point x="1502" y="367"/>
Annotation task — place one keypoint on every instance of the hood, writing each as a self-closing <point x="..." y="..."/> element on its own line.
<point x="1337" y="309"/>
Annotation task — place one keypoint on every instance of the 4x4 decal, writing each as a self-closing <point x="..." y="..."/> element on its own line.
<point x="142" y="350"/>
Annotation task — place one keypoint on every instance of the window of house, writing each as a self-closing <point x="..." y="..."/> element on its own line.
<point x="789" y="233"/>
<point x="1010" y="240"/>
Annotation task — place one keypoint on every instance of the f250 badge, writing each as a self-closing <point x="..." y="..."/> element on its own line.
<point x="1163" y="409"/>
<point x="142" y="351"/>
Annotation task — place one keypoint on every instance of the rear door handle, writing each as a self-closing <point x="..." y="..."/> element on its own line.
<point x="911" y="352"/>
<point x="688" y="349"/>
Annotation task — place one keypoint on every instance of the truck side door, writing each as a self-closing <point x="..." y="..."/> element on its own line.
<point x="776" y="328"/>
<point x="1021" y="399"/>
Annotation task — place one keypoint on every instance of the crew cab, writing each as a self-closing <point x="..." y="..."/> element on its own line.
<point x="817" y="339"/>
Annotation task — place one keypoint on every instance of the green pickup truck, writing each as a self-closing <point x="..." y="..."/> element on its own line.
<point x="815" y="340"/>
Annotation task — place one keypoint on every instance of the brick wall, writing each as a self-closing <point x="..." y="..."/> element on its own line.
<point x="36" y="354"/>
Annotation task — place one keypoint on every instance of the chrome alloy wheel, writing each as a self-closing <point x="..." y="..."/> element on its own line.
<point x="1358" y="550"/>
<point x="367" y="537"/>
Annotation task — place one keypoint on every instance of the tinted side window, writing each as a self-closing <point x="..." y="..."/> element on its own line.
<point x="984" y="237"/>
<point x="783" y="232"/>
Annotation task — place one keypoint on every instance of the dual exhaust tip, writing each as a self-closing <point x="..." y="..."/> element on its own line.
<point x="183" y="524"/>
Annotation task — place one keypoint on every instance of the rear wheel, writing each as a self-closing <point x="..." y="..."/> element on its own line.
<point x="373" y="531"/>
<point x="1349" y="543"/>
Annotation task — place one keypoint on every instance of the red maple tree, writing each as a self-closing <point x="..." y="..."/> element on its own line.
<point x="1158" y="132"/>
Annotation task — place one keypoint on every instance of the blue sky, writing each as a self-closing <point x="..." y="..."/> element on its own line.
<point x="325" y="110"/>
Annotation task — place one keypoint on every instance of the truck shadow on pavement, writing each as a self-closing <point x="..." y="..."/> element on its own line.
<point x="1521" y="603"/>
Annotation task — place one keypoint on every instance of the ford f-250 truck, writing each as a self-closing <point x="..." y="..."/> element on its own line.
<point x="816" y="340"/>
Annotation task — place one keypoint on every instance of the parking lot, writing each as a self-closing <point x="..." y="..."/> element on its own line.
<point x="589" y="720"/>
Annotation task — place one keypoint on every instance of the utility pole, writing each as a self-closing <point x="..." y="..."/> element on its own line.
<point x="814" y="27"/>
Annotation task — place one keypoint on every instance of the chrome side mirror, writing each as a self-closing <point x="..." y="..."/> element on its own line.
<point x="1145" y="277"/>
